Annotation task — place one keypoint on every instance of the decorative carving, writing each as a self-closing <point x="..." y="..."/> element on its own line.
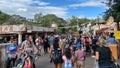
<point x="110" y="21"/>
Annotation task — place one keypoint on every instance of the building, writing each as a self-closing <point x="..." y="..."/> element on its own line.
<point x="22" y="29"/>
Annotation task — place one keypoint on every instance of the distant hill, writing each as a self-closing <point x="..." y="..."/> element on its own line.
<point x="6" y="19"/>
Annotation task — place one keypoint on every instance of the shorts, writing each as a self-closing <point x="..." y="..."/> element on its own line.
<point x="80" y="64"/>
<point x="39" y="47"/>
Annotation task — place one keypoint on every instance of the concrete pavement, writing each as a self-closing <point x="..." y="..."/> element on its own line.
<point x="43" y="62"/>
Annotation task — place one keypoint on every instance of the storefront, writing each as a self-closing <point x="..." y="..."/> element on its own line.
<point x="20" y="30"/>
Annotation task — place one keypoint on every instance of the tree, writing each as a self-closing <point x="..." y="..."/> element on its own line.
<point x="47" y="20"/>
<point x="16" y="19"/>
<point x="74" y="21"/>
<point x="114" y="10"/>
<point x="38" y="17"/>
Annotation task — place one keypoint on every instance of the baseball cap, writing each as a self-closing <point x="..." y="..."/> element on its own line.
<point x="79" y="45"/>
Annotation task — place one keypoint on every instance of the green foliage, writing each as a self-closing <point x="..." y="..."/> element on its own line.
<point x="47" y="20"/>
<point x="74" y="21"/>
<point x="114" y="10"/>
<point x="3" y="17"/>
<point x="13" y="19"/>
<point x="58" y="31"/>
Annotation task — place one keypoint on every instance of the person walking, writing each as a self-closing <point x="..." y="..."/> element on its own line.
<point x="56" y="53"/>
<point x="39" y="44"/>
<point x="103" y="55"/>
<point x="46" y="45"/>
<point x="67" y="57"/>
<point x="12" y="51"/>
<point x="86" y="44"/>
<point x="80" y="57"/>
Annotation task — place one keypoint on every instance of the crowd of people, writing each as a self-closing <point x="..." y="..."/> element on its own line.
<point x="70" y="50"/>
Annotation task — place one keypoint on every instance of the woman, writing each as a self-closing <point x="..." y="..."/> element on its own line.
<point x="68" y="59"/>
<point x="30" y="49"/>
<point x="56" y="53"/>
<point x="11" y="51"/>
<point x="103" y="55"/>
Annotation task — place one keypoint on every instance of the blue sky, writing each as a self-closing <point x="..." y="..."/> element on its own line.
<point x="61" y="8"/>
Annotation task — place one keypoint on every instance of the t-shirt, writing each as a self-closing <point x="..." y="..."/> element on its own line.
<point x="111" y="40"/>
<point x="94" y="41"/>
<point x="104" y="55"/>
<point x="24" y="43"/>
<point x="12" y="49"/>
<point x="80" y="55"/>
<point x="51" y="40"/>
<point x="86" y="42"/>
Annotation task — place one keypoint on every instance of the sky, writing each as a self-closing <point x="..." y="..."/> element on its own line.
<point x="61" y="8"/>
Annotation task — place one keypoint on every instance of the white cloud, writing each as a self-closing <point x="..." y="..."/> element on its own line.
<point x="92" y="3"/>
<point x="41" y="3"/>
<point x="92" y="17"/>
<point x="61" y="12"/>
<point x="21" y="9"/>
<point x="83" y="16"/>
<point x="24" y="8"/>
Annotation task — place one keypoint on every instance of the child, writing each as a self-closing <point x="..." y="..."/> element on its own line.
<point x="79" y="57"/>
<point x="68" y="59"/>
<point x="28" y="63"/>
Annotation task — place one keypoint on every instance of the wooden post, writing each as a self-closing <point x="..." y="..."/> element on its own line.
<point x="2" y="56"/>
<point x="19" y="38"/>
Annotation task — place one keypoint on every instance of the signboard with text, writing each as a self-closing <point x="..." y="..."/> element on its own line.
<point x="117" y="34"/>
<point x="7" y="29"/>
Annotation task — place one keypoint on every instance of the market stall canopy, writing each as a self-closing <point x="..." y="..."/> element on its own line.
<point x="41" y="29"/>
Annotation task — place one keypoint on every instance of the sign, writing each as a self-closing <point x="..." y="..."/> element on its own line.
<point x="117" y="34"/>
<point x="6" y="29"/>
<point x="19" y="28"/>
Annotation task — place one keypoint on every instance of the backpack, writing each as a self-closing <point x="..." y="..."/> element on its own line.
<point x="68" y="64"/>
<point x="57" y="56"/>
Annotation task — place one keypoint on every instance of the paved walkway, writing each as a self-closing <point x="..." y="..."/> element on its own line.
<point x="43" y="62"/>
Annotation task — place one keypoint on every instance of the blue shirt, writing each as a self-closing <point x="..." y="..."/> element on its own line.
<point x="111" y="40"/>
<point x="12" y="49"/>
